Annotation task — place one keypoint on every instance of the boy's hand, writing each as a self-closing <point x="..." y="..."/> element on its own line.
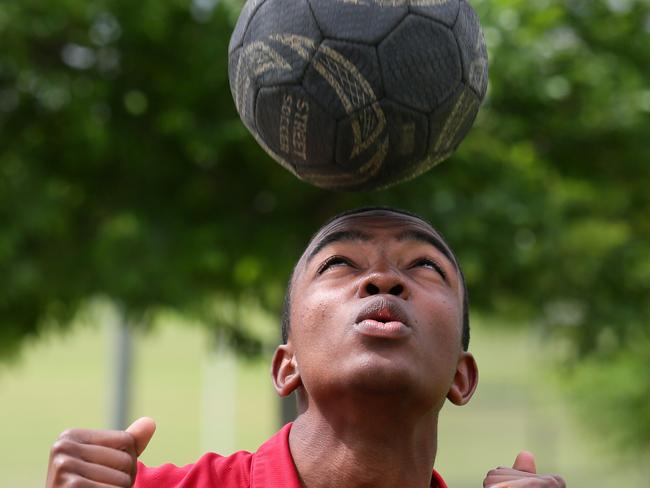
<point x="523" y="474"/>
<point x="98" y="458"/>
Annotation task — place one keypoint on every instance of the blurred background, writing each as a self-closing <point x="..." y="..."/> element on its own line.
<point x="146" y="240"/>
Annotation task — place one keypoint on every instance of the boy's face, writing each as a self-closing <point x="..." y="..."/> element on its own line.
<point x="377" y="308"/>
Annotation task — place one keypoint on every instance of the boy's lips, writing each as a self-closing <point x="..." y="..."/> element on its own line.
<point x="384" y="318"/>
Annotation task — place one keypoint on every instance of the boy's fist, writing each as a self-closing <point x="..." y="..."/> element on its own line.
<point x="98" y="458"/>
<point x="523" y="474"/>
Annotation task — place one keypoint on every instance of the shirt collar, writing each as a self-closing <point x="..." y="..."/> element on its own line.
<point x="273" y="467"/>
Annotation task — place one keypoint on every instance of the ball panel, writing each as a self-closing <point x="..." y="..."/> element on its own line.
<point x="361" y="142"/>
<point x="295" y="127"/>
<point x="247" y="11"/>
<point x="402" y="142"/>
<point x="473" y="51"/>
<point x="367" y="22"/>
<point x="444" y="11"/>
<point x="408" y="135"/>
<point x="344" y="77"/>
<point x="242" y="87"/>
<point x="279" y="41"/>
<point x="334" y="177"/>
<point x="451" y="121"/>
<point x="420" y="49"/>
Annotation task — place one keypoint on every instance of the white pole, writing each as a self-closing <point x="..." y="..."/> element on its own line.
<point x="219" y="407"/>
<point x="121" y="369"/>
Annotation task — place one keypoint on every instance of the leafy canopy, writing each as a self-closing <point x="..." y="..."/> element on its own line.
<point x="126" y="173"/>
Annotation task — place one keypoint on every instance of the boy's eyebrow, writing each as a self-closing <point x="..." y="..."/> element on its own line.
<point x="409" y="235"/>
<point x="342" y="235"/>
<point x="426" y="237"/>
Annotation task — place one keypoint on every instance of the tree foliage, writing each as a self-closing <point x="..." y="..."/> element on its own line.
<point x="126" y="173"/>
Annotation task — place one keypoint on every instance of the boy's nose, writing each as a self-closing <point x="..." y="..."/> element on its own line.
<point x="383" y="282"/>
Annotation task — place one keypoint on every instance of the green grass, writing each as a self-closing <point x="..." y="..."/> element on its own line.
<point x="205" y="400"/>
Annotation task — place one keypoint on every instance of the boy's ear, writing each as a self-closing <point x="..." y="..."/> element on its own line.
<point x="465" y="380"/>
<point x="284" y="369"/>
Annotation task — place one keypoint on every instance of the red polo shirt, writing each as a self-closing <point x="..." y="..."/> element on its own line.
<point x="270" y="467"/>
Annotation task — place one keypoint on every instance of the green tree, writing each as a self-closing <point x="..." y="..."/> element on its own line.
<point x="126" y="173"/>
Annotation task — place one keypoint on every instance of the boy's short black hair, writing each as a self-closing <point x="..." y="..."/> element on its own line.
<point x="286" y="305"/>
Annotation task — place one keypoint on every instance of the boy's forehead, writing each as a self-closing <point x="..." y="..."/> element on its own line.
<point x="367" y="225"/>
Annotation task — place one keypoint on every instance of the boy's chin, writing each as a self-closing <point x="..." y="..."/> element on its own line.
<point x="377" y="381"/>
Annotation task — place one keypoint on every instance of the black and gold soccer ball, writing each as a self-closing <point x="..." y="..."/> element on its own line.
<point x="358" y="94"/>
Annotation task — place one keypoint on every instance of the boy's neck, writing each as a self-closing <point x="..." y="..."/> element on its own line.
<point x="365" y="447"/>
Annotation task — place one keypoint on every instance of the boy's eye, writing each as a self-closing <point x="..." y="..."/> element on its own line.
<point x="332" y="262"/>
<point x="430" y="264"/>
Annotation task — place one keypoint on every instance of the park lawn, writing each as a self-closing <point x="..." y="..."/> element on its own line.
<point x="204" y="399"/>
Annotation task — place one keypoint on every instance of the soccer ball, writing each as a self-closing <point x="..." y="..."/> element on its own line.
<point x="358" y="94"/>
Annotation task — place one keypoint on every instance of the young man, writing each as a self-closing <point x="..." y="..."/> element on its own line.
<point x="376" y="332"/>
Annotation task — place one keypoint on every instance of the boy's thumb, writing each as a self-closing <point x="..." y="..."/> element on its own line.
<point x="525" y="462"/>
<point x="142" y="431"/>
